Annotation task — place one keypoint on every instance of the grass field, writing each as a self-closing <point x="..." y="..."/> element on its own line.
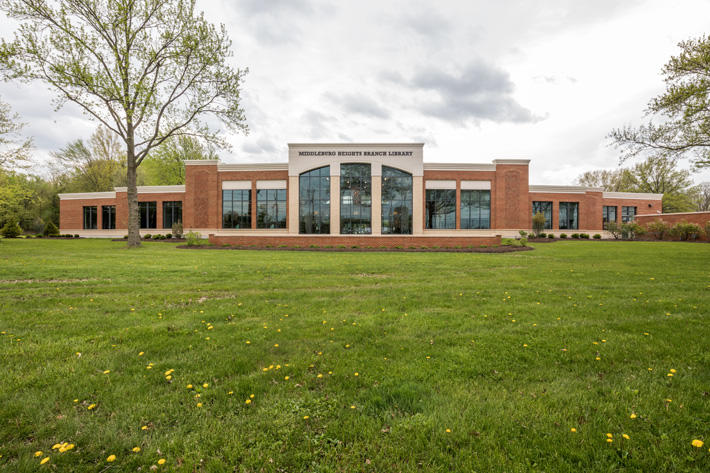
<point x="297" y="361"/>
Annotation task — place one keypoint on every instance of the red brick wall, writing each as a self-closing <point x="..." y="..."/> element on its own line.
<point x="71" y="212"/>
<point x="590" y="207"/>
<point x="699" y="218"/>
<point x="361" y="241"/>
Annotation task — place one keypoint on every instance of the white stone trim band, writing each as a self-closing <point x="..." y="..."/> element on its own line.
<point x="476" y="185"/>
<point x="440" y="184"/>
<point x="276" y="184"/>
<point x="236" y="185"/>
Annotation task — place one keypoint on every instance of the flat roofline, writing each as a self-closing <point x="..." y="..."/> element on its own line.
<point x="154" y="189"/>
<point x="352" y="145"/>
<point x="563" y="189"/>
<point x="87" y="195"/>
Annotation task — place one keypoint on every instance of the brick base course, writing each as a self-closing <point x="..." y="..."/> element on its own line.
<point x="361" y="241"/>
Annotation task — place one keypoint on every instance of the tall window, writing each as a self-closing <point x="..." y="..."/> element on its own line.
<point x="628" y="214"/>
<point x="355" y="199"/>
<point x="90" y="218"/>
<point x="544" y="208"/>
<point x="608" y="214"/>
<point x="475" y="209"/>
<point x="396" y="202"/>
<point x="108" y="217"/>
<point x="441" y="208"/>
<point x="314" y="201"/>
<point x="172" y="213"/>
<point x="236" y="208"/>
<point x="271" y="208"/>
<point x="569" y="213"/>
<point x="148" y="214"/>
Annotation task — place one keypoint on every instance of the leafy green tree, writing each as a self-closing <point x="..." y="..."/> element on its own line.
<point x="700" y="196"/>
<point x="14" y="150"/>
<point x="147" y="70"/>
<point x="655" y="175"/>
<point x="17" y="199"/>
<point x="682" y="110"/>
<point x="166" y="164"/>
<point x="538" y="223"/>
<point x="96" y="166"/>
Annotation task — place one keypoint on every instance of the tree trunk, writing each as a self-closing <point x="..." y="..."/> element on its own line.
<point x="134" y="237"/>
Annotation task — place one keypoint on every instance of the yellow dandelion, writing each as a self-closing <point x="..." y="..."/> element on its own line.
<point x="145" y="427"/>
<point x="248" y="401"/>
<point x="573" y="430"/>
<point x="161" y="461"/>
<point x="251" y="396"/>
<point x="609" y="440"/>
<point x="189" y="386"/>
<point x="305" y="417"/>
<point x="448" y="431"/>
<point x="670" y="375"/>
<point x="199" y="404"/>
<point x="136" y="449"/>
<point x="248" y="342"/>
<point x="276" y="345"/>
<point x="697" y="443"/>
<point x="319" y="375"/>
<point x="205" y="385"/>
<point x="111" y="458"/>
<point x="673" y="371"/>
<point x="56" y="446"/>
<point x="44" y="460"/>
<point x="141" y="353"/>
<point x="357" y="374"/>
<point x="91" y="406"/>
<point x="76" y="400"/>
<point x="626" y="436"/>
<point x="609" y="435"/>
<point x="230" y="393"/>
<point x="107" y="371"/>
<point x="286" y="378"/>
<point x="633" y="416"/>
<point x="38" y="453"/>
<point x="168" y="377"/>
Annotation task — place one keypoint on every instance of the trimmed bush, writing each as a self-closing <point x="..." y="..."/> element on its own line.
<point x="147" y="236"/>
<point x="193" y="238"/>
<point x="658" y="229"/>
<point x="523" y="241"/>
<point x="76" y="235"/>
<point x="50" y="230"/>
<point x="551" y="236"/>
<point x="584" y="236"/>
<point x="629" y="231"/>
<point x="597" y="236"/>
<point x="523" y="233"/>
<point x="563" y="235"/>
<point x="11" y="229"/>
<point x="542" y="235"/>
<point x="575" y="236"/>
<point x="168" y="236"/>
<point x="614" y="229"/>
<point x="686" y="231"/>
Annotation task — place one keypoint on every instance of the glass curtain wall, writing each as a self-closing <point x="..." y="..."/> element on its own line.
<point x="148" y="214"/>
<point x="90" y="218"/>
<point x="172" y="213"/>
<point x="314" y="201"/>
<point x="475" y="209"/>
<point x="544" y="208"/>
<point x="236" y="208"/>
<point x="441" y="209"/>
<point x="396" y="202"/>
<point x="355" y="199"/>
<point x="569" y="214"/>
<point x="108" y="217"/>
<point x="271" y="208"/>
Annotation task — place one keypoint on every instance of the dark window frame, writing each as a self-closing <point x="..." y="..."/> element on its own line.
<point x="569" y="223"/>
<point x="108" y="217"/>
<point x="236" y="209"/>
<point x="440" y="205"/>
<point x="627" y="216"/>
<point x="606" y="214"/>
<point x="545" y="209"/>
<point x="475" y="203"/>
<point x="396" y="204"/>
<point x="91" y="222"/>
<point x="271" y="210"/>
<point x="314" y="201"/>
<point x="171" y="210"/>
<point x="355" y="199"/>
<point x="148" y="214"/>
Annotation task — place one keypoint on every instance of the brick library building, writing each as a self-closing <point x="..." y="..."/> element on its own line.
<point x="366" y="194"/>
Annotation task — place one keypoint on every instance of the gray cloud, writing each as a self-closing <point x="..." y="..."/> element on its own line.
<point x="358" y="104"/>
<point x="261" y="145"/>
<point x="477" y="92"/>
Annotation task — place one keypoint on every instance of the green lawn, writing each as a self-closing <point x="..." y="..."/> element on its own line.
<point x="350" y="362"/>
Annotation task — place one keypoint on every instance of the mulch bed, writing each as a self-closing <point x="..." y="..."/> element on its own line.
<point x="491" y="249"/>
<point x="167" y="240"/>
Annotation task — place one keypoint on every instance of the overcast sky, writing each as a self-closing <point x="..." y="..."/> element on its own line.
<point x="474" y="80"/>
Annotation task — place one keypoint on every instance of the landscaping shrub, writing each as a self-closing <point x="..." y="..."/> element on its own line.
<point x="597" y="236"/>
<point x="538" y="224"/>
<point x="707" y="230"/>
<point x="629" y="231"/>
<point x="147" y="236"/>
<point x="563" y="235"/>
<point x="76" y="235"/>
<point x="685" y="231"/>
<point x="193" y="238"/>
<point x="168" y="236"/>
<point x="523" y="241"/>
<point x="575" y="236"/>
<point x="523" y="233"/>
<point x="50" y="230"/>
<point x="39" y="236"/>
<point x="551" y="236"/>
<point x="125" y="237"/>
<point x="584" y="236"/>
<point x="11" y="229"/>
<point x="177" y="229"/>
<point x="614" y="229"/>
<point x="542" y="235"/>
<point x="658" y="229"/>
